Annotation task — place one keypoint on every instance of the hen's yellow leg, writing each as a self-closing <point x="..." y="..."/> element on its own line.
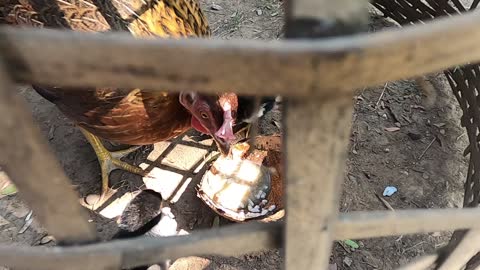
<point x="110" y="160"/>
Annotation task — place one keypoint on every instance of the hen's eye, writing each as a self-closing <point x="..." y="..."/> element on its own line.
<point x="204" y="115"/>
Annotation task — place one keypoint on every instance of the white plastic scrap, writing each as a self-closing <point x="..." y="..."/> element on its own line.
<point x="389" y="191"/>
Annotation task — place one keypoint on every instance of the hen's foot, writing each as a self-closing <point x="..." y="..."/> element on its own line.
<point x="109" y="161"/>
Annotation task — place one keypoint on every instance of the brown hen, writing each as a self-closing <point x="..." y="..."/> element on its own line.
<point x="127" y="116"/>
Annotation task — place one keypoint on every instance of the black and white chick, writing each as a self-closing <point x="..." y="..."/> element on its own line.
<point x="246" y="108"/>
<point x="147" y="215"/>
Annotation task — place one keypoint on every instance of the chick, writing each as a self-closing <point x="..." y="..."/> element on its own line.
<point x="147" y="215"/>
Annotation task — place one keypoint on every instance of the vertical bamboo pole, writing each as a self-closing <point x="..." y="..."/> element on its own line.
<point x="34" y="170"/>
<point x="317" y="132"/>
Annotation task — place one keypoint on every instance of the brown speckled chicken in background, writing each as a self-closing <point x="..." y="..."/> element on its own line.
<point x="126" y="116"/>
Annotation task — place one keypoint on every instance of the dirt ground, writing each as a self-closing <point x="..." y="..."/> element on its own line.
<point x="395" y="141"/>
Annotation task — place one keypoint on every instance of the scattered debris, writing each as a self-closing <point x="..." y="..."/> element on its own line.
<point x="440" y="141"/>
<point x="392" y="129"/>
<point x="29" y="215"/>
<point x="277" y="124"/>
<point x="439" y="125"/>
<point x="367" y="174"/>
<point x="28" y="222"/>
<point x="460" y="136"/>
<point x="345" y="247"/>
<point x="389" y="191"/>
<point x="385" y="203"/>
<point x="347" y="261"/>
<point x="8" y="190"/>
<point x="351" y="244"/>
<point x="414" y="136"/>
<point x="47" y="239"/>
<point x="426" y="149"/>
<point x="381" y="96"/>
<point x="394" y="113"/>
<point x="418" y="107"/>
<point x="3" y="221"/>
<point x="216" y="7"/>
<point x="51" y="133"/>
<point x="414" y="246"/>
<point x="406" y="118"/>
<point x="332" y="266"/>
<point x="259" y="12"/>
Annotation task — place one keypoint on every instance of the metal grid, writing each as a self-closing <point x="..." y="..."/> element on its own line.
<point x="314" y="169"/>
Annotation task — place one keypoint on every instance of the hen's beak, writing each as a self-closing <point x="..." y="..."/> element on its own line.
<point x="223" y="145"/>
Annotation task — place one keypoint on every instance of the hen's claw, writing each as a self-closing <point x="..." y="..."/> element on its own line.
<point x="109" y="161"/>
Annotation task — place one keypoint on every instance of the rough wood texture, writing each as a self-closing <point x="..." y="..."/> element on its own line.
<point x="323" y="68"/>
<point x="474" y="263"/>
<point x="32" y="167"/>
<point x="463" y="252"/>
<point x="229" y="241"/>
<point x="359" y="225"/>
<point x="316" y="138"/>
<point x="239" y="239"/>
<point x="316" y="133"/>
<point x="422" y="263"/>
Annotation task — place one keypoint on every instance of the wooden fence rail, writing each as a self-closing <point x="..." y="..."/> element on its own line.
<point x="29" y="162"/>
<point x="325" y="67"/>
<point x="237" y="239"/>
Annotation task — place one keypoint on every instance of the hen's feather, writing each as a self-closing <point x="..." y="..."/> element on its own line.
<point x="247" y="111"/>
<point x="129" y="116"/>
